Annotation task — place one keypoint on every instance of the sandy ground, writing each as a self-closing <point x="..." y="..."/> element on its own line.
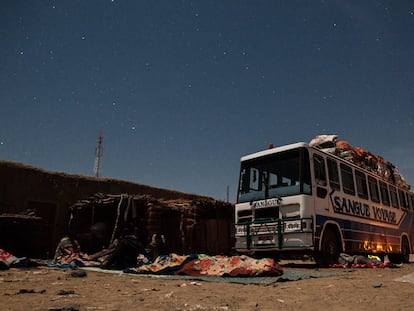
<point x="347" y="289"/>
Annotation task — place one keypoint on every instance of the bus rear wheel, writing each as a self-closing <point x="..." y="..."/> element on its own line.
<point x="330" y="249"/>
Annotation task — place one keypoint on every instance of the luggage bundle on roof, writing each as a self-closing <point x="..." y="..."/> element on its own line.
<point x="363" y="158"/>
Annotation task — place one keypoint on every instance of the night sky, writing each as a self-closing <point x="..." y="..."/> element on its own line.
<point x="180" y="90"/>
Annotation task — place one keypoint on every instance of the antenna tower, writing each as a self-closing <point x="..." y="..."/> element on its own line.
<point x="98" y="156"/>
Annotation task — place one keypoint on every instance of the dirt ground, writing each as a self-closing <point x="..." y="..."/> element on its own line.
<point x="344" y="289"/>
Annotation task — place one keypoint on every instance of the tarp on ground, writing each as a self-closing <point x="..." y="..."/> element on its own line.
<point x="288" y="275"/>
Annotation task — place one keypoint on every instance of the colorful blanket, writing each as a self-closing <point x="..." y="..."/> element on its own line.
<point x="242" y="266"/>
<point x="214" y="266"/>
<point x="164" y="264"/>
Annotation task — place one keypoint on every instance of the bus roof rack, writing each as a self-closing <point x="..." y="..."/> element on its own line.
<point x="360" y="157"/>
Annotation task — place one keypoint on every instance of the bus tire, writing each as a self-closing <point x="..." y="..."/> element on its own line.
<point x="329" y="250"/>
<point x="404" y="255"/>
<point x="405" y="250"/>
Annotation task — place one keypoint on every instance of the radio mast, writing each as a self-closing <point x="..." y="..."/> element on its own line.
<point x="98" y="156"/>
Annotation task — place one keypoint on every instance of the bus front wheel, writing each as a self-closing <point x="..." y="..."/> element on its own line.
<point x="404" y="255"/>
<point x="405" y="250"/>
<point x="329" y="250"/>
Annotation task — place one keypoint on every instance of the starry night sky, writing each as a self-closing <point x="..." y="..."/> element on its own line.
<point x="181" y="90"/>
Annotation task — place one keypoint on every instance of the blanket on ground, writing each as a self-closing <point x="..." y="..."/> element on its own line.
<point x="213" y="266"/>
<point x="231" y="266"/>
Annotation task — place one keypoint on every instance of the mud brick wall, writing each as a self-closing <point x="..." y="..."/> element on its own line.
<point x="198" y="226"/>
<point x="28" y="190"/>
<point x="182" y="226"/>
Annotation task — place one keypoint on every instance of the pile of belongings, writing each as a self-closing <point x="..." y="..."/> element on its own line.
<point x="69" y="254"/>
<point x="204" y="265"/>
<point x="358" y="261"/>
<point x="8" y="260"/>
<point x="360" y="157"/>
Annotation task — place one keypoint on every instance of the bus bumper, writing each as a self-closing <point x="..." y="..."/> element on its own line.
<point x="279" y="235"/>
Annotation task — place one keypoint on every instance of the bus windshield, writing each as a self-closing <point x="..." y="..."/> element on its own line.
<point x="277" y="175"/>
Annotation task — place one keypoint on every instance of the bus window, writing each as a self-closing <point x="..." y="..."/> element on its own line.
<point x="286" y="181"/>
<point x="385" y="197"/>
<point x="361" y="183"/>
<point x="255" y="183"/>
<point x="273" y="180"/>
<point x="403" y="199"/>
<point x="412" y="201"/>
<point x="408" y="199"/>
<point x="347" y="179"/>
<point x="333" y="174"/>
<point x="276" y="175"/>
<point x="320" y="176"/>
<point x="320" y="173"/>
<point x="373" y="189"/>
<point x="394" y="198"/>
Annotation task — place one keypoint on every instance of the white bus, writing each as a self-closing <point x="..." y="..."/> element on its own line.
<point x="302" y="199"/>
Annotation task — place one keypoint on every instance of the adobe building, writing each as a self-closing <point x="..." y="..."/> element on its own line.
<point x="36" y="206"/>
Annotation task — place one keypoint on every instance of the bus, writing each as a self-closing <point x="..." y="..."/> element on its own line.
<point x="321" y="201"/>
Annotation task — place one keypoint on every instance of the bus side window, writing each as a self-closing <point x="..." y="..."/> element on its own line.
<point x="361" y="183"/>
<point x="403" y="199"/>
<point x="333" y="174"/>
<point x="385" y="197"/>
<point x="412" y="201"/>
<point x="320" y="173"/>
<point x="347" y="179"/>
<point x="373" y="189"/>
<point x="407" y="199"/>
<point x="394" y="198"/>
<point x="320" y="176"/>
